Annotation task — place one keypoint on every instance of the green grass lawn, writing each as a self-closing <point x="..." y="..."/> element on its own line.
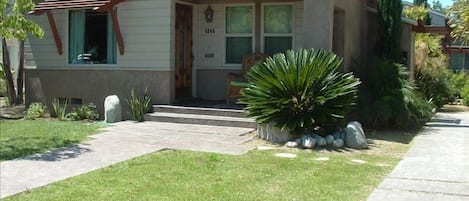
<point x="24" y="137"/>
<point x="258" y="175"/>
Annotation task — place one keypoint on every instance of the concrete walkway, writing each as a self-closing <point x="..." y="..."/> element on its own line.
<point x="436" y="167"/>
<point x="119" y="142"/>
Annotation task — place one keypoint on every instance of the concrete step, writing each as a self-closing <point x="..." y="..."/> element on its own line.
<point x="199" y="111"/>
<point x="180" y="127"/>
<point x="201" y="119"/>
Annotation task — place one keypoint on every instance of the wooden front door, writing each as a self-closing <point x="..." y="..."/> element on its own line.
<point x="183" y="51"/>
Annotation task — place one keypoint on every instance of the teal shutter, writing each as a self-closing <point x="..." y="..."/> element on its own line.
<point x="76" y="35"/>
<point x="111" y="42"/>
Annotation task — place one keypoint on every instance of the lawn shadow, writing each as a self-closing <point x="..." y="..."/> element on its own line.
<point x="399" y="136"/>
<point x="60" y="154"/>
<point x="445" y="121"/>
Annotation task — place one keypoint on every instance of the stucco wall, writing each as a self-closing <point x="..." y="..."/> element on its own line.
<point x="355" y="30"/>
<point x="209" y="67"/>
<point x="92" y="86"/>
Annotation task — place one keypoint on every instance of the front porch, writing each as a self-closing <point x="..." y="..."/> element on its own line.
<point x="238" y="28"/>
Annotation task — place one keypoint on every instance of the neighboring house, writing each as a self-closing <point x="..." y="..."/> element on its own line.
<point x="178" y="49"/>
<point x="458" y="54"/>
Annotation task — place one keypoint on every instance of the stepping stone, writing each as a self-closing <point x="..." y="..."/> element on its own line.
<point x="264" y="148"/>
<point x="358" y="161"/>
<point x="322" y="159"/>
<point x="285" y="155"/>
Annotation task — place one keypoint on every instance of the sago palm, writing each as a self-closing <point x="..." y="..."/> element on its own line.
<point x="299" y="90"/>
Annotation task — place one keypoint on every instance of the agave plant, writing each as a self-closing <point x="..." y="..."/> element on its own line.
<point x="299" y="90"/>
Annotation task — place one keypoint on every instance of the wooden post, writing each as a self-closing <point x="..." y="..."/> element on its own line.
<point x="55" y="33"/>
<point x="117" y="30"/>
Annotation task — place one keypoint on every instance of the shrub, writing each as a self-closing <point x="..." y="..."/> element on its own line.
<point x="458" y="82"/>
<point x="3" y="84"/>
<point x="139" y="105"/>
<point x="436" y="85"/>
<point x="35" y="110"/>
<point x="465" y="94"/>
<point x="60" y="109"/>
<point x="418" y="108"/>
<point x="388" y="99"/>
<point x="433" y="79"/>
<point x="299" y="91"/>
<point x="86" y="111"/>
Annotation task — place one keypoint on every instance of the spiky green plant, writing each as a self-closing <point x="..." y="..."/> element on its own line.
<point x="60" y="108"/>
<point x="139" y="105"/>
<point x="299" y="90"/>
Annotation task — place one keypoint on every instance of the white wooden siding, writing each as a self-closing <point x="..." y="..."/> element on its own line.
<point x="146" y="27"/>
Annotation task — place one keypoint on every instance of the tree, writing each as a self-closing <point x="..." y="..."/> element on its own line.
<point x="424" y="3"/>
<point x="458" y="15"/>
<point x="390" y="29"/>
<point x="14" y="24"/>
<point x="437" y="6"/>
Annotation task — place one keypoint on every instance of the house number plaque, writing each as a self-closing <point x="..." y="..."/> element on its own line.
<point x="209" y="30"/>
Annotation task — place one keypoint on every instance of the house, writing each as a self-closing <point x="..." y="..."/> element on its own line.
<point x="176" y="48"/>
<point x="458" y="53"/>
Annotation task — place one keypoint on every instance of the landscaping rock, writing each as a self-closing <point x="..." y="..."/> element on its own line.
<point x="271" y="133"/>
<point x="338" y="143"/>
<point x="298" y="141"/>
<point x="286" y="155"/>
<point x="358" y="161"/>
<point x="329" y="139"/>
<point x="291" y="144"/>
<point x="355" y="137"/>
<point x="308" y="142"/>
<point x="322" y="142"/>
<point x="319" y="140"/>
<point x="339" y="134"/>
<point x="112" y="109"/>
<point x="322" y="159"/>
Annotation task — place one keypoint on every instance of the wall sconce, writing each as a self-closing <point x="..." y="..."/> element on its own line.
<point x="209" y="14"/>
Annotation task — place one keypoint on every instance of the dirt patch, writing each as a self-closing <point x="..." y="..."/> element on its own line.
<point x="12" y="112"/>
<point x="455" y="108"/>
<point x="389" y="143"/>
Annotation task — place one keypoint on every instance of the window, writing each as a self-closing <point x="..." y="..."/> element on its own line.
<point x="278" y="28"/>
<point x="466" y="62"/>
<point x="456" y="61"/>
<point x="239" y="33"/>
<point x="91" y="38"/>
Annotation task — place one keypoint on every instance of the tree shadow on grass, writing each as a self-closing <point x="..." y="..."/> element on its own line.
<point x="404" y="137"/>
<point x="21" y="146"/>
<point x="60" y="154"/>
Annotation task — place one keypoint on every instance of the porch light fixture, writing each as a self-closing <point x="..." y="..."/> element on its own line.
<point x="209" y="14"/>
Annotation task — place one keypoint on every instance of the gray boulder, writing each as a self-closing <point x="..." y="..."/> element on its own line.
<point x="338" y="143"/>
<point x="355" y="136"/>
<point x="329" y="139"/>
<point x="271" y="133"/>
<point x="291" y="144"/>
<point x="322" y="142"/>
<point x="308" y="142"/>
<point x="319" y="140"/>
<point x="112" y="109"/>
